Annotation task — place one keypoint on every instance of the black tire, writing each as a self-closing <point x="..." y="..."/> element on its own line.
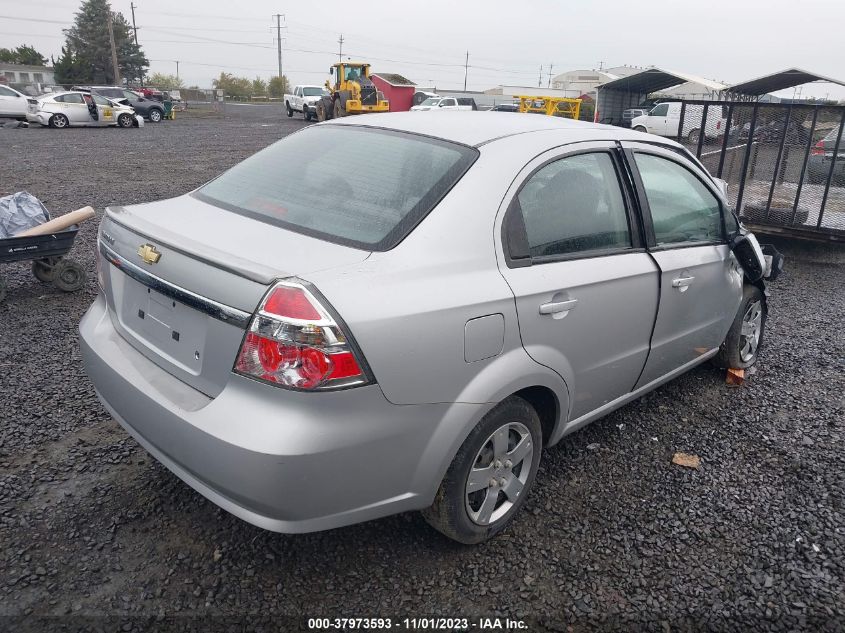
<point x="322" y="113"/>
<point x="640" y="128"/>
<point x="68" y="276"/>
<point x="2" y="289"/>
<point x="289" y="109"/>
<point x="450" y="512"/>
<point x="305" y="113"/>
<point x="126" y="120"/>
<point x="339" y="109"/>
<point x="59" y="121"/>
<point x="44" y="269"/>
<point x="731" y="351"/>
<point x="692" y="137"/>
<point x="156" y="115"/>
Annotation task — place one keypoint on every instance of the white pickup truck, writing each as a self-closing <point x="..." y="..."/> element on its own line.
<point x="304" y="99"/>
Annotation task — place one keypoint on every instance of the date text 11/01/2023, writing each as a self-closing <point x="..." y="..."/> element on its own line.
<point x="416" y="624"/>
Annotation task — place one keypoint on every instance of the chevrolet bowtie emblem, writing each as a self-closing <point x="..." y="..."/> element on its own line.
<point x="149" y="253"/>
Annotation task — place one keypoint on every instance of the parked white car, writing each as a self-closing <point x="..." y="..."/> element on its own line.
<point x="664" y="120"/>
<point x="440" y="103"/>
<point x="70" y="109"/>
<point x="12" y="103"/>
<point x="304" y="99"/>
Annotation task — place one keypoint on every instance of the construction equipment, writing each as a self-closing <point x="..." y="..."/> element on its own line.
<point x="353" y="92"/>
<point x="551" y="106"/>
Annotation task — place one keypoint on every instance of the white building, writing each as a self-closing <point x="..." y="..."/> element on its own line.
<point x="22" y="77"/>
<point x="532" y="91"/>
<point x="585" y="81"/>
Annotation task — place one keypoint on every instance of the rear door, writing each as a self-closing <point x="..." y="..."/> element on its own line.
<point x="586" y="291"/>
<point x="73" y="106"/>
<point x="700" y="280"/>
<point x="11" y="103"/>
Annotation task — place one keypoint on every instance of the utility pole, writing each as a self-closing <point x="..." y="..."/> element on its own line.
<point x="466" y="69"/>
<point x="279" y="17"/>
<point x="549" y="85"/>
<point x="340" y="50"/>
<point x="117" y="80"/>
<point x="134" y="28"/>
<point x="177" y="68"/>
<point x="540" y="78"/>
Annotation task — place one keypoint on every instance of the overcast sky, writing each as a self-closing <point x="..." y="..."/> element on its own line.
<point x="726" y="40"/>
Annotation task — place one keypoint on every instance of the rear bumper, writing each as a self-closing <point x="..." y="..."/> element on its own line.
<point x="40" y="118"/>
<point x="282" y="460"/>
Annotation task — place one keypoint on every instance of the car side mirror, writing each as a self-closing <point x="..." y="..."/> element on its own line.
<point x="748" y="253"/>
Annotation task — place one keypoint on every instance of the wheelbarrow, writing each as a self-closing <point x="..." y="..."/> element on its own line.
<point x="49" y="263"/>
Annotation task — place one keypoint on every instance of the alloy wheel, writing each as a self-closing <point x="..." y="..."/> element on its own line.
<point x="499" y="473"/>
<point x="749" y="338"/>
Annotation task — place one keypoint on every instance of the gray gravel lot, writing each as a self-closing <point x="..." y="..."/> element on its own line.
<point x="615" y="537"/>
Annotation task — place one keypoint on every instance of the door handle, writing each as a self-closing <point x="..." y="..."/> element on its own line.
<point x="682" y="282"/>
<point x="556" y="307"/>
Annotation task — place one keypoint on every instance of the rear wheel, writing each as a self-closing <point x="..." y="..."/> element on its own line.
<point x="289" y="109"/>
<point x="59" y="121"/>
<point x="742" y="344"/>
<point x="640" y="128"/>
<point x="125" y="120"/>
<point x="491" y="475"/>
<point x="339" y="110"/>
<point x="692" y="137"/>
<point x="156" y="115"/>
<point x="68" y="276"/>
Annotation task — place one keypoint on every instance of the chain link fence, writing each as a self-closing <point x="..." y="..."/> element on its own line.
<point x="784" y="163"/>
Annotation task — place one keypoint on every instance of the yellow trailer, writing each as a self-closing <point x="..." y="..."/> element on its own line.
<point x="551" y="106"/>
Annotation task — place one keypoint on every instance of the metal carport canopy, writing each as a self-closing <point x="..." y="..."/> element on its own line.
<point x="788" y="78"/>
<point x="615" y="96"/>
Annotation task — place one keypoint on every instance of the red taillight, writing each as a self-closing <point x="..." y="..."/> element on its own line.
<point x="294" y="342"/>
<point x="818" y="149"/>
<point x="718" y="125"/>
<point x="290" y="302"/>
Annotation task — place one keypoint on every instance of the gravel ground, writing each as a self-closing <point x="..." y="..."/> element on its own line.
<point x="614" y="536"/>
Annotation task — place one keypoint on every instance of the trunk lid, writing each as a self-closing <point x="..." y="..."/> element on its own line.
<point x="182" y="278"/>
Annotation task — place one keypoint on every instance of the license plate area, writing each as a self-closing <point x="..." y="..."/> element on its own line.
<point x="170" y="328"/>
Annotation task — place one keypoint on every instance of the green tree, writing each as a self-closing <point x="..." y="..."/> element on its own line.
<point x="67" y="68"/>
<point x="259" y="87"/>
<point x="165" y="82"/>
<point x="278" y="86"/>
<point x="89" y="58"/>
<point x="233" y="86"/>
<point x="23" y="54"/>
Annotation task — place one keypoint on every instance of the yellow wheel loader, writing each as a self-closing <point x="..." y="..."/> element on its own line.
<point x="353" y="92"/>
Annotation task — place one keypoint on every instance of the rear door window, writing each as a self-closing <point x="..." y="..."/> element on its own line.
<point x="351" y="185"/>
<point x="575" y="205"/>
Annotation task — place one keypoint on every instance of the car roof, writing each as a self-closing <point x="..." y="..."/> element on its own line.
<point x="478" y="128"/>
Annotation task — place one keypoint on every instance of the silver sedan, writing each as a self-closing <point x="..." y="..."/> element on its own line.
<point x="73" y="108"/>
<point x="395" y="312"/>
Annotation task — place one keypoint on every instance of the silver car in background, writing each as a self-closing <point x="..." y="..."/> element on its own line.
<point x="398" y="312"/>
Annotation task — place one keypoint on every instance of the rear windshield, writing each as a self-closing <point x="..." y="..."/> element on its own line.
<point x="357" y="186"/>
